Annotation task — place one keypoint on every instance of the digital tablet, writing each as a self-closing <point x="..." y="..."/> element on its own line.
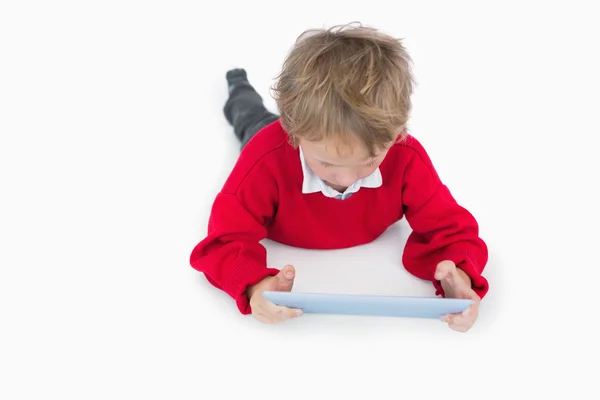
<point x="351" y="304"/>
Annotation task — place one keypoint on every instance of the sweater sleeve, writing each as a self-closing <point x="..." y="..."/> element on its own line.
<point x="441" y="228"/>
<point x="231" y="255"/>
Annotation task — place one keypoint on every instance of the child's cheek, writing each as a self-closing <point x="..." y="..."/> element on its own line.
<point x="322" y="172"/>
<point x="317" y="168"/>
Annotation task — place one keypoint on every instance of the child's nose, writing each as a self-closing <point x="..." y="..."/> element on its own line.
<point x="347" y="179"/>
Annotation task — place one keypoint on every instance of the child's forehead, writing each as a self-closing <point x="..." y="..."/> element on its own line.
<point x="336" y="151"/>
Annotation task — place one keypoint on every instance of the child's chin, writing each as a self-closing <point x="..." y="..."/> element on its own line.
<point x="339" y="188"/>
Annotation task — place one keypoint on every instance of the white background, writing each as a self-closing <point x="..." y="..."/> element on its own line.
<point x="113" y="145"/>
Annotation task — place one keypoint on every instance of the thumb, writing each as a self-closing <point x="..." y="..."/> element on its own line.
<point x="285" y="279"/>
<point x="444" y="270"/>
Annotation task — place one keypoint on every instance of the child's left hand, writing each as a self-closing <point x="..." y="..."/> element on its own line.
<point x="457" y="284"/>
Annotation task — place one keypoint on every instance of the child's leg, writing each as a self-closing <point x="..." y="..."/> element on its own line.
<point x="244" y="109"/>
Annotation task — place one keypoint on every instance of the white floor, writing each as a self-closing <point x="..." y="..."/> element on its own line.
<point x="113" y="144"/>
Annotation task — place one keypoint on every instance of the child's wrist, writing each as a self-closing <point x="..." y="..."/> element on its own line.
<point x="465" y="277"/>
<point x="250" y="291"/>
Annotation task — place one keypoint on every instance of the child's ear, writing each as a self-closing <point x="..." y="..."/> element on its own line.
<point x="401" y="136"/>
<point x="294" y="141"/>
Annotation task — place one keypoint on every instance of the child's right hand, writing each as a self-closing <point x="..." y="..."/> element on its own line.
<point x="265" y="311"/>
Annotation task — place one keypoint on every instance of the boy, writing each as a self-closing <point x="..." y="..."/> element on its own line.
<point x="335" y="170"/>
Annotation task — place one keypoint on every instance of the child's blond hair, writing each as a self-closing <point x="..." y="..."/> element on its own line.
<point x="345" y="81"/>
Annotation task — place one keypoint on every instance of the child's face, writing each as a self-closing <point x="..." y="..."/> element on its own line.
<point x="342" y="166"/>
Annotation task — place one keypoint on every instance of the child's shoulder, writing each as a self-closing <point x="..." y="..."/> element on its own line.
<point x="259" y="158"/>
<point x="409" y="154"/>
<point x="270" y="138"/>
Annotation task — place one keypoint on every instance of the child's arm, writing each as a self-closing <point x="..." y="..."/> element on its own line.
<point x="231" y="256"/>
<point x="442" y="229"/>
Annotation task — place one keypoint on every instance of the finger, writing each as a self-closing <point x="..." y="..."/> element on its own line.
<point x="455" y="323"/>
<point x="458" y="322"/>
<point x="444" y="270"/>
<point x="470" y="312"/>
<point x="281" y="313"/>
<point x="285" y="313"/>
<point x="453" y="319"/>
<point x="285" y="279"/>
<point x="289" y="271"/>
<point x="270" y="317"/>
<point x="459" y="328"/>
<point x="466" y="313"/>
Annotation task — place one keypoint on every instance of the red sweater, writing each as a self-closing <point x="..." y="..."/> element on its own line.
<point x="262" y="198"/>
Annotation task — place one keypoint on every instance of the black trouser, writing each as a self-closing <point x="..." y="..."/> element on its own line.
<point x="246" y="112"/>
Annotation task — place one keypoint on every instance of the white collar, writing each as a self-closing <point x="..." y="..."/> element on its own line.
<point x="314" y="184"/>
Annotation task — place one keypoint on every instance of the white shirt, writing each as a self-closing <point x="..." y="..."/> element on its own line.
<point x="314" y="184"/>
